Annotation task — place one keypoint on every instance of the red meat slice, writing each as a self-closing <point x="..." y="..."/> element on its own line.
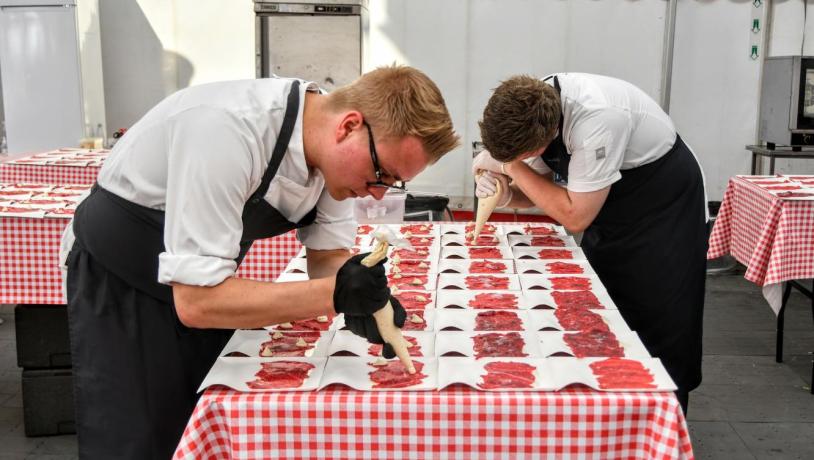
<point x="412" y="322"/>
<point x="576" y="299"/>
<point x="541" y="230"/>
<point x="61" y="211"/>
<point x="486" y="282"/>
<point x="395" y="375"/>
<point x="501" y="374"/>
<point x="407" y="281"/>
<point x="417" y="229"/>
<point x="287" y="344"/>
<point x="486" y="266"/>
<point x="578" y="319"/>
<point x="499" y="344"/>
<point x="619" y="373"/>
<point x="281" y="374"/>
<point x="421" y="253"/>
<point x="483" y="240"/>
<point x="415" y="350"/>
<point x="17" y="210"/>
<point x="494" y="301"/>
<point x="414" y="300"/>
<point x="364" y="230"/>
<point x="421" y="240"/>
<point x="555" y="254"/>
<point x="549" y="241"/>
<point x="411" y="266"/>
<point x="563" y="268"/>
<point x="484" y="253"/>
<point x="307" y="325"/>
<point x="596" y="342"/>
<point x="782" y="187"/>
<point x="500" y="320"/>
<point x="571" y="283"/>
<point x="488" y="229"/>
<point x="794" y="194"/>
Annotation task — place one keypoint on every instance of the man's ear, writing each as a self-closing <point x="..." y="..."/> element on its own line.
<point x="350" y="121"/>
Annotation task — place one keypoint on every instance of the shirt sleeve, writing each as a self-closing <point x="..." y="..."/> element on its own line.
<point x="538" y="165"/>
<point x="598" y="144"/>
<point x="334" y="226"/>
<point x="208" y="182"/>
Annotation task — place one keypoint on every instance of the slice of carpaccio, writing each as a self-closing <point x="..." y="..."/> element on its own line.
<point x="579" y="319"/>
<point x="421" y="240"/>
<point x="555" y="254"/>
<point x="547" y="241"/>
<point x="420" y="253"/>
<point x="486" y="282"/>
<point x="407" y="281"/>
<point x="281" y="374"/>
<point x="509" y="344"/>
<point x="415" y="321"/>
<point x="576" y="299"/>
<point x="289" y="344"/>
<point x="395" y="375"/>
<point x="415" y="350"/>
<point x="563" y="268"/>
<point x="320" y="323"/>
<point x="594" y="343"/>
<point x="488" y="229"/>
<point x="364" y="230"/>
<point x="500" y="320"/>
<point x="782" y="187"/>
<point x="538" y="230"/>
<point x="416" y="229"/>
<point x="416" y="267"/>
<point x="487" y="266"/>
<point x="570" y="283"/>
<point x="507" y="374"/>
<point x="414" y="300"/>
<point x="493" y="301"/>
<point x="483" y="240"/>
<point x="622" y="374"/>
<point x="484" y="253"/>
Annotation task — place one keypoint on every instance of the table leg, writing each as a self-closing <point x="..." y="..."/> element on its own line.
<point x="771" y="166"/>
<point x="754" y="163"/>
<point x="778" y="357"/>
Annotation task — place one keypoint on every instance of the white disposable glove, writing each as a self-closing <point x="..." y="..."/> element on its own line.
<point x="485" y="162"/>
<point x="487" y="186"/>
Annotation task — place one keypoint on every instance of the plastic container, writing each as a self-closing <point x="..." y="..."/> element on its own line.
<point x="388" y="210"/>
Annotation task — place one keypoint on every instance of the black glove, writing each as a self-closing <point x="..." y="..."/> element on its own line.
<point x="360" y="290"/>
<point x="365" y="326"/>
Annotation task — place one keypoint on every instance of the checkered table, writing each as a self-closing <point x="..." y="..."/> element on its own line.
<point x="29" y="259"/>
<point x="457" y="422"/>
<point x="771" y="236"/>
<point x="47" y="174"/>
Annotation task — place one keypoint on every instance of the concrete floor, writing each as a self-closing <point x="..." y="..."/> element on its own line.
<point x="748" y="406"/>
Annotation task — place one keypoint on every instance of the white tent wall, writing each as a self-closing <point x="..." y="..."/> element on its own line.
<point x="153" y="47"/>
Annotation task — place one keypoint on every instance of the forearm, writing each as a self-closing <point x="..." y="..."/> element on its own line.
<point x="325" y="263"/>
<point x="542" y="192"/>
<point x="245" y="304"/>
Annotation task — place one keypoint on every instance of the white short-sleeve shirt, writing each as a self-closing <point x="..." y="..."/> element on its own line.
<point x="608" y="125"/>
<point x="200" y="154"/>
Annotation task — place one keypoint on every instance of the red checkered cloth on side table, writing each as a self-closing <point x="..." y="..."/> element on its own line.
<point x="29" y="259"/>
<point x="48" y="174"/>
<point x="773" y="237"/>
<point x="458" y="422"/>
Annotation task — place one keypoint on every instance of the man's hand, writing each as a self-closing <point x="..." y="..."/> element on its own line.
<point x="487" y="186"/>
<point x="365" y="326"/>
<point x="360" y="291"/>
<point x="485" y="162"/>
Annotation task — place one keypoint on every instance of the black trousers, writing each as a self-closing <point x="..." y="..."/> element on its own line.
<point x="136" y="367"/>
<point x="648" y="246"/>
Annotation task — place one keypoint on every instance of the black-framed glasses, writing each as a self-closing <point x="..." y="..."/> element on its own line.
<point x="374" y="158"/>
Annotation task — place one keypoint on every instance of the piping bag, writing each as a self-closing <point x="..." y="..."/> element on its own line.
<point x="384" y="316"/>
<point x="485" y="208"/>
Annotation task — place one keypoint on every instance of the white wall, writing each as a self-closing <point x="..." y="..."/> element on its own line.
<point x="153" y="47"/>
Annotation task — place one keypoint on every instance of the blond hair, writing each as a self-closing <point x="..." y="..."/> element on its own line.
<point x="521" y="116"/>
<point x="400" y="101"/>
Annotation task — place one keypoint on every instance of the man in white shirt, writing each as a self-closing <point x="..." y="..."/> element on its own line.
<point x="152" y="295"/>
<point x="633" y="187"/>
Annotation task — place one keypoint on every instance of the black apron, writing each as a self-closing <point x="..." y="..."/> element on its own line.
<point x="136" y="368"/>
<point x="648" y="245"/>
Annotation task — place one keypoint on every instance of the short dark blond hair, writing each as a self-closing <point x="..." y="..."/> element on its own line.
<point x="400" y="101"/>
<point x="522" y="116"/>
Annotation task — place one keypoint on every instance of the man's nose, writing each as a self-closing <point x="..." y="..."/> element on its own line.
<point x="377" y="192"/>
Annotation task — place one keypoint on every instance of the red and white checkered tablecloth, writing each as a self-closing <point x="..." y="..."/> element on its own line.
<point x="457" y="422"/>
<point x="48" y="174"/>
<point x="29" y="259"/>
<point x="772" y="237"/>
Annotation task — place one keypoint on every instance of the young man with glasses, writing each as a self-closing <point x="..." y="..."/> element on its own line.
<point x="152" y="296"/>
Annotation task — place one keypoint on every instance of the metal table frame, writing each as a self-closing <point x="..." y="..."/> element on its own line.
<point x="781" y="317"/>
<point x="779" y="152"/>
